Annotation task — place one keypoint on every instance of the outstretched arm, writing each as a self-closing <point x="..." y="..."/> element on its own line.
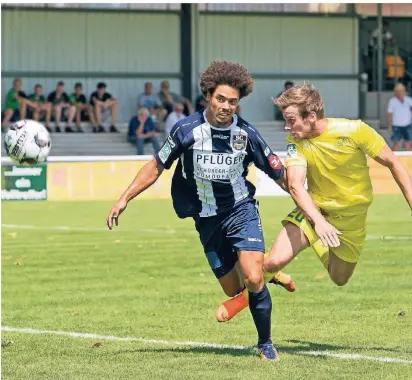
<point x="296" y="182"/>
<point x="398" y="170"/>
<point x="146" y="177"/>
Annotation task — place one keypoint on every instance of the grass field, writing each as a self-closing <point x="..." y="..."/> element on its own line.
<point x="149" y="279"/>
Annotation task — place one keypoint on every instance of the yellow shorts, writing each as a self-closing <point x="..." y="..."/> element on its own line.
<point x="352" y="238"/>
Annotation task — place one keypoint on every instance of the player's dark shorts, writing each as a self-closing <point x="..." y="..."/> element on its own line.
<point x="224" y="235"/>
<point x="401" y="133"/>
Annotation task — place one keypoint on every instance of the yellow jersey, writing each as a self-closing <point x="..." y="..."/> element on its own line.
<point x="337" y="172"/>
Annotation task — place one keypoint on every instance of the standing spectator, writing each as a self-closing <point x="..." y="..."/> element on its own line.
<point x="101" y="101"/>
<point x="60" y="102"/>
<point x="16" y="104"/>
<point x="169" y="99"/>
<point x="399" y="118"/>
<point x="43" y="109"/>
<point x="152" y="102"/>
<point x="84" y="111"/>
<point x="278" y="112"/>
<point x="174" y="117"/>
<point x="201" y="103"/>
<point x="142" y="130"/>
<point x="387" y="37"/>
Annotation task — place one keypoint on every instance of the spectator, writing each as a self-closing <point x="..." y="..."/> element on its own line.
<point x="174" y="117"/>
<point x="43" y="109"/>
<point x="201" y="103"/>
<point x="142" y="130"/>
<point x="60" y="102"/>
<point x="169" y="99"/>
<point x="152" y="102"/>
<point x="101" y="100"/>
<point x="278" y="113"/>
<point x="16" y="104"/>
<point x="387" y="37"/>
<point x="84" y="111"/>
<point x="399" y="118"/>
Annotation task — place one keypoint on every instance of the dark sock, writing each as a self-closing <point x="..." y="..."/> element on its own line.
<point x="260" y="305"/>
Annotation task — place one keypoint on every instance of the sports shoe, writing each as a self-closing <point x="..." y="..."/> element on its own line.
<point x="268" y="352"/>
<point x="228" y="309"/>
<point x="284" y="281"/>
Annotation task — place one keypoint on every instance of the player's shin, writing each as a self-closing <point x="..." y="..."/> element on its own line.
<point x="260" y="305"/>
<point x="322" y="252"/>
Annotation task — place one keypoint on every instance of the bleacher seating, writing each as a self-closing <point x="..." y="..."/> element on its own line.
<point x="114" y="144"/>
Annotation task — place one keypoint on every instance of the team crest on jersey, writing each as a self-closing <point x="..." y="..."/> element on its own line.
<point x="341" y="141"/>
<point x="291" y="150"/>
<point x="239" y="142"/>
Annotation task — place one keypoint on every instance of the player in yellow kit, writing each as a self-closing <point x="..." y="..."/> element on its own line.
<point x="331" y="215"/>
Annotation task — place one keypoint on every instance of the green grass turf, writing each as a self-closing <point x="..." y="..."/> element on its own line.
<point x="150" y="279"/>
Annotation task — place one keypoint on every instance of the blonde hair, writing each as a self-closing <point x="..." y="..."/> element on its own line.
<point x="399" y="86"/>
<point x="305" y="97"/>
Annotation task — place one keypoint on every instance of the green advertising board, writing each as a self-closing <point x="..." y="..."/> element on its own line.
<point x="23" y="182"/>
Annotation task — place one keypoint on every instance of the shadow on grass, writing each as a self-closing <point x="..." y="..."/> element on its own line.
<point x="299" y="348"/>
<point x="313" y="346"/>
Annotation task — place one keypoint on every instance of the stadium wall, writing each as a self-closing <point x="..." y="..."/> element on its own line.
<point x="276" y="48"/>
<point x="105" y="178"/>
<point x="125" y="49"/>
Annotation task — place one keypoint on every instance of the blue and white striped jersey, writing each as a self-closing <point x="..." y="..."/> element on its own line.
<point x="210" y="177"/>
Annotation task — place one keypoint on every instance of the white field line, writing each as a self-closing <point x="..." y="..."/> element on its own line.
<point x="200" y="344"/>
<point x="163" y="231"/>
<point x="88" y="229"/>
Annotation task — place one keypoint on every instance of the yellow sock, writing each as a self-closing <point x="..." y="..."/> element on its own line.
<point x="267" y="276"/>
<point x="322" y="252"/>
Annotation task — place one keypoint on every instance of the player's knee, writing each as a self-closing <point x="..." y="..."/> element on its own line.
<point x="254" y="281"/>
<point x="339" y="280"/>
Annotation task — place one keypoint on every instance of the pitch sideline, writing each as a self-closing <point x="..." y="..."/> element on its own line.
<point x="73" y="334"/>
<point x="153" y="230"/>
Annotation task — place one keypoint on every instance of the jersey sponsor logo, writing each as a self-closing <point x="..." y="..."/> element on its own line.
<point x="165" y="152"/>
<point x="239" y="142"/>
<point x="275" y="162"/>
<point x="254" y="239"/>
<point x="222" y="137"/>
<point x="171" y="142"/>
<point x="267" y="151"/>
<point x="291" y="150"/>
<point x="218" y="166"/>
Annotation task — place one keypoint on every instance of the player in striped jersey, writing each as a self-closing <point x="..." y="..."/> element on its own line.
<point x="213" y="150"/>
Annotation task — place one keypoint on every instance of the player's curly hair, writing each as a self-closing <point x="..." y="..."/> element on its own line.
<point x="306" y="97"/>
<point x="227" y="73"/>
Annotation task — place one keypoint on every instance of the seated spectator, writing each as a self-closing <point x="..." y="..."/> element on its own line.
<point x="101" y="100"/>
<point x="174" y="117"/>
<point x="43" y="109"/>
<point x="142" y="130"/>
<point x="84" y="111"/>
<point x="169" y="99"/>
<point x="201" y="103"/>
<point x="16" y="104"/>
<point x="152" y="102"/>
<point x="278" y="113"/>
<point x="60" y="102"/>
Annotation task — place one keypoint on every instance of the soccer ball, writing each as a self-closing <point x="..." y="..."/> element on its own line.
<point x="27" y="142"/>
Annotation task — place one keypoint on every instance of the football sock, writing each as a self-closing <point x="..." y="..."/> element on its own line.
<point x="322" y="252"/>
<point x="260" y="305"/>
<point x="267" y="276"/>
